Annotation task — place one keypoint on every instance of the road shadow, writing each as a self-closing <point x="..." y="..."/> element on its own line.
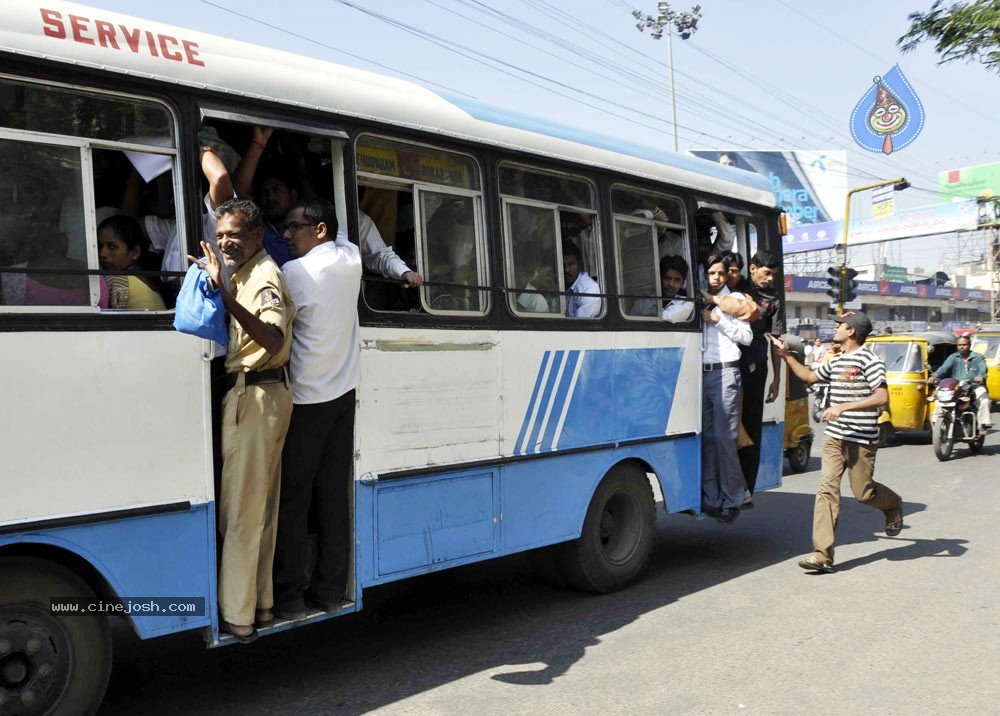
<point x="499" y="618"/>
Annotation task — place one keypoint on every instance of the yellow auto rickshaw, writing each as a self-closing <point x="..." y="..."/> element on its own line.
<point x="986" y="341"/>
<point x="798" y="432"/>
<point x="909" y="360"/>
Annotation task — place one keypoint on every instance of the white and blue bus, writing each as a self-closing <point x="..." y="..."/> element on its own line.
<point x="488" y="422"/>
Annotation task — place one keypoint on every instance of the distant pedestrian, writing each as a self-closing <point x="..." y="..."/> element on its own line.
<point x="857" y="391"/>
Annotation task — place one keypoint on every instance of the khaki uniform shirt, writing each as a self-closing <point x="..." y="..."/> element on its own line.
<point x="259" y="286"/>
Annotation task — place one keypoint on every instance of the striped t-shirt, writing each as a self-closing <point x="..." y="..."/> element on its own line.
<point x="853" y="376"/>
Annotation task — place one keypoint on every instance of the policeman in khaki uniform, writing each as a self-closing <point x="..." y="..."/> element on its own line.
<point x="255" y="413"/>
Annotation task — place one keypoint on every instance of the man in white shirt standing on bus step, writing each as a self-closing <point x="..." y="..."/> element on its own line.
<point x="324" y="280"/>
<point x="722" y="486"/>
<point x="857" y="392"/>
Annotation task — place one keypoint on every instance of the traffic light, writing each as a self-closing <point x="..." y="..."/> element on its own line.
<point x="849" y="285"/>
<point x="834" y="283"/>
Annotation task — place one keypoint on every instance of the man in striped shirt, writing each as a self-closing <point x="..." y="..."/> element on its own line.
<point x="857" y="391"/>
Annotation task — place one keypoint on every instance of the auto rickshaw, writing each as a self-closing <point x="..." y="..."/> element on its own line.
<point x="909" y="360"/>
<point x="798" y="432"/>
<point x="986" y="341"/>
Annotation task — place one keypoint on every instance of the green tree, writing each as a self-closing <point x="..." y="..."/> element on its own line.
<point x="963" y="31"/>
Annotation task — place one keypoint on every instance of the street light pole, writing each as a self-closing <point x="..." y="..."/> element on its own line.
<point x="899" y="184"/>
<point x="685" y="23"/>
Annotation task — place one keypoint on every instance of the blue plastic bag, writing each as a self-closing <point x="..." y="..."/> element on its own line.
<point x="199" y="309"/>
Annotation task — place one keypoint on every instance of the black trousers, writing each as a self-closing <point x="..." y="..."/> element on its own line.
<point x="315" y="474"/>
<point x="754" y="388"/>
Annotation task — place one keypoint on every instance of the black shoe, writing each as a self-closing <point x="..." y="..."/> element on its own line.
<point x="290" y="611"/>
<point x="727" y="515"/>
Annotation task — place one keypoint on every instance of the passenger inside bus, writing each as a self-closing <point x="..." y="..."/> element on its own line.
<point x="284" y="171"/>
<point x="122" y="247"/>
<point x="47" y="249"/>
<point x="671" y="307"/>
<point x="583" y="293"/>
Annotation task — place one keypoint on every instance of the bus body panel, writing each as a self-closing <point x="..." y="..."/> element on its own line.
<point x="169" y="555"/>
<point x="427" y="398"/>
<point x="772" y="434"/>
<point x="772" y="439"/>
<point x="99" y="397"/>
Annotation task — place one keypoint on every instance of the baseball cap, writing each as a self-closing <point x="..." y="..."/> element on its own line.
<point x="858" y="321"/>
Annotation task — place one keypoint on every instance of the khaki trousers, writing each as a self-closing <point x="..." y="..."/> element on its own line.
<point x="859" y="461"/>
<point x="254" y="422"/>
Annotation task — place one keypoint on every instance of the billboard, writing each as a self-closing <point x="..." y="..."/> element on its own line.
<point x="970" y="182"/>
<point x="922" y="221"/>
<point x="809" y="185"/>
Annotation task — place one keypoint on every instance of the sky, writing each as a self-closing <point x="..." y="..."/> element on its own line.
<point x="760" y="74"/>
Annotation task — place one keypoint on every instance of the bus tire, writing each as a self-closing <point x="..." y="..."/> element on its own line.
<point x="617" y="535"/>
<point x="54" y="665"/>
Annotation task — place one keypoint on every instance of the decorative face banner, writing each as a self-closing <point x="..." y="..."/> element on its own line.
<point x="889" y="116"/>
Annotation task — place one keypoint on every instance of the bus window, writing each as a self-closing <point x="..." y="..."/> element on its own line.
<point x="649" y="228"/>
<point x="420" y="209"/>
<point x="450" y="252"/>
<point x="54" y="179"/>
<point x="553" y="243"/>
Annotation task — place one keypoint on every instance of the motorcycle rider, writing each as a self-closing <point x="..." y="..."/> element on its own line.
<point x="966" y="365"/>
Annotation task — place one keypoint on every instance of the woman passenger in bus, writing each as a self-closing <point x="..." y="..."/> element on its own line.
<point x="47" y="248"/>
<point x="122" y="247"/>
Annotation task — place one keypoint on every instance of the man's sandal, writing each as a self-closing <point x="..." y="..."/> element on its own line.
<point x="894" y="521"/>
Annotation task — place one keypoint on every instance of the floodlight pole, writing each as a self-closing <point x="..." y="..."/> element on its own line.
<point x="685" y="23"/>
<point x="899" y="184"/>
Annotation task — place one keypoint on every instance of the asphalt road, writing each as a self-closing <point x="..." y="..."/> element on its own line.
<point x="724" y="622"/>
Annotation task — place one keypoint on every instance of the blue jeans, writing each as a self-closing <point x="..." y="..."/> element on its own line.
<point x="722" y="482"/>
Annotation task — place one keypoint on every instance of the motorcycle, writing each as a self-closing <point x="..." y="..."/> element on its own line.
<point x="957" y="419"/>
<point x="821" y="399"/>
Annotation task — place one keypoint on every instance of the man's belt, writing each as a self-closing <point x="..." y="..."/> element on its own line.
<point x="256" y="377"/>
<point x="706" y="367"/>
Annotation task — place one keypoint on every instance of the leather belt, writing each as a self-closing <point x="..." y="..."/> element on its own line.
<point x="256" y="377"/>
<point x="706" y="367"/>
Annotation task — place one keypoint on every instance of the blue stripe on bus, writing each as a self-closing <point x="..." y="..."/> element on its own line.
<point x="544" y="405"/>
<point x="620" y="394"/>
<point x="519" y="445"/>
<point x="562" y="394"/>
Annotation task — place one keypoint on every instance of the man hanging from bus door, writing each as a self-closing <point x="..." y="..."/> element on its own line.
<point x="722" y="479"/>
<point x="324" y="280"/>
<point x="754" y="359"/>
<point x="256" y="412"/>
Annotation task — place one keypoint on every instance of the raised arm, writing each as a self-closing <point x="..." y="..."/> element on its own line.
<point x="243" y="179"/>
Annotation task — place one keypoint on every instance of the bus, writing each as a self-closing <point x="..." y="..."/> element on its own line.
<point x="488" y="422"/>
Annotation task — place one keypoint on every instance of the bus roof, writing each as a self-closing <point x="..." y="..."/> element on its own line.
<point x="108" y="41"/>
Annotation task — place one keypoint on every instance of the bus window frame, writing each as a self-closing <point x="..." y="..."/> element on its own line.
<point x="655" y="226"/>
<point x="390" y="183"/>
<point x="512" y="290"/>
<point x="482" y="259"/>
<point x="557" y="207"/>
<point x="86" y="146"/>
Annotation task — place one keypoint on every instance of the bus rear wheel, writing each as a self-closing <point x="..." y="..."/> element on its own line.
<point x="617" y="535"/>
<point x="49" y="664"/>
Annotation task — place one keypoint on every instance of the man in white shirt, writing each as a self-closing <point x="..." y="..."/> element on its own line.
<point x="324" y="280"/>
<point x="722" y="486"/>
<point x="581" y="302"/>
